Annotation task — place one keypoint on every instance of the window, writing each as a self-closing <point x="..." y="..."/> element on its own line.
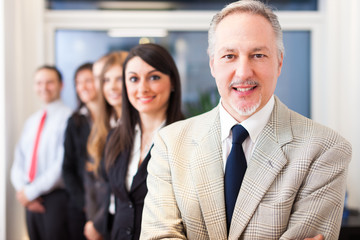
<point x="199" y="90"/>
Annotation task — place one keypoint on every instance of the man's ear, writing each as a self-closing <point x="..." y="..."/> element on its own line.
<point x="280" y="63"/>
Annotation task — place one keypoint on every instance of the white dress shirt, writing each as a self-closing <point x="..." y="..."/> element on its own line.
<point x="135" y="155"/>
<point x="50" y="151"/>
<point x="254" y="125"/>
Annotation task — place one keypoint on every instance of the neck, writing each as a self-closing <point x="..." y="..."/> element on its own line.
<point x="118" y="112"/>
<point x="93" y="109"/>
<point x="48" y="103"/>
<point x="150" y="123"/>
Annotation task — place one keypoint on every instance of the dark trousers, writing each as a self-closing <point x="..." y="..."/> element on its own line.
<point x="76" y="223"/>
<point x="51" y="225"/>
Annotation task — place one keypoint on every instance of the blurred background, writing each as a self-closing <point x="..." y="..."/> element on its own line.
<point x="319" y="78"/>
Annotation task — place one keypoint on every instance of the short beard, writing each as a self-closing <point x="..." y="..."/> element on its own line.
<point x="248" y="111"/>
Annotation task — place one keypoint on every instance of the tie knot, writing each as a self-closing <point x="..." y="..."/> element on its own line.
<point x="239" y="134"/>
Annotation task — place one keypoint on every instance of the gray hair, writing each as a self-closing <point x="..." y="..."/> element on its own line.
<point x="246" y="6"/>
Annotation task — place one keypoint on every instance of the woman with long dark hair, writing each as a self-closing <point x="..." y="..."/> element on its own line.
<point x="151" y="99"/>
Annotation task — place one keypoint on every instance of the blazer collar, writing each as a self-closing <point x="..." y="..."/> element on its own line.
<point x="141" y="175"/>
<point x="267" y="161"/>
<point x="208" y="174"/>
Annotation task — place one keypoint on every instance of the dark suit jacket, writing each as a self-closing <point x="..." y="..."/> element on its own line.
<point x="75" y="156"/>
<point x="129" y="205"/>
<point x="86" y="191"/>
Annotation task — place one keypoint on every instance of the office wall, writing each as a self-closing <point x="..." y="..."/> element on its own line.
<point x="2" y="121"/>
<point x="342" y="82"/>
<point x="23" y="51"/>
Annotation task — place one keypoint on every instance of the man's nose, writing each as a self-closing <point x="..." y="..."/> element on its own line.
<point x="244" y="69"/>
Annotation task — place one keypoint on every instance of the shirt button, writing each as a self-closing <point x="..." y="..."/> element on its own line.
<point x="130" y="205"/>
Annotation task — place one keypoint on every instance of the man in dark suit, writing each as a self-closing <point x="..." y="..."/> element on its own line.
<point x="294" y="183"/>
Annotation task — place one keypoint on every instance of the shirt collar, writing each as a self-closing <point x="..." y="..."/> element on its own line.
<point x="84" y="111"/>
<point x="254" y="124"/>
<point x="53" y="106"/>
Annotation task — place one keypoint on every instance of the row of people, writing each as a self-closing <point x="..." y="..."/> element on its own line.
<point x="93" y="158"/>
<point x="290" y="185"/>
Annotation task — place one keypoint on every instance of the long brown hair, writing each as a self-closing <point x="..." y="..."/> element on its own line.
<point x="101" y="126"/>
<point x="123" y="136"/>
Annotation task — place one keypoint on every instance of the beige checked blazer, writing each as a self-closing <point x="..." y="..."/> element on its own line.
<point x="293" y="188"/>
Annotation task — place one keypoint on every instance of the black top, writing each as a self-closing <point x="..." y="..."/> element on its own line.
<point x="129" y="204"/>
<point x="75" y="157"/>
<point x="87" y="192"/>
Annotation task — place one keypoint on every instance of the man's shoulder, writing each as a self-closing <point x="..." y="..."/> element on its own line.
<point x="303" y="127"/>
<point x="193" y="125"/>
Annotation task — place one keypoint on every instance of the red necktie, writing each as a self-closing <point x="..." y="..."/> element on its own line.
<point x="32" y="171"/>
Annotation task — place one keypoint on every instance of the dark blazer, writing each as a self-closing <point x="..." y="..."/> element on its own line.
<point x="75" y="156"/>
<point x="86" y="191"/>
<point x="129" y="205"/>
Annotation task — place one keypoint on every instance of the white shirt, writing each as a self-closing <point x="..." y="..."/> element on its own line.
<point x="254" y="125"/>
<point x="135" y="155"/>
<point x="50" y="151"/>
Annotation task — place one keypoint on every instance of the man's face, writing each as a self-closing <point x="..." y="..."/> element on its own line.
<point x="47" y="85"/>
<point x="245" y="63"/>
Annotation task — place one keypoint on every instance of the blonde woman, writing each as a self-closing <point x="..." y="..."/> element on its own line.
<point x="110" y="104"/>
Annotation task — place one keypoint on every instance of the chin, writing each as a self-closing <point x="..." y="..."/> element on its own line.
<point x="248" y="110"/>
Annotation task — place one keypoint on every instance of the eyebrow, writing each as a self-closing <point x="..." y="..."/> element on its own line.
<point x="131" y="72"/>
<point x="260" y="49"/>
<point x="226" y="49"/>
<point x="255" y="49"/>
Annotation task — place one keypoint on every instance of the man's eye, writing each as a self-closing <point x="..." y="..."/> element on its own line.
<point x="229" y="56"/>
<point x="259" y="55"/>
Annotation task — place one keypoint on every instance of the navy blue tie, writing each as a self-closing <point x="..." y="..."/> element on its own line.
<point x="235" y="170"/>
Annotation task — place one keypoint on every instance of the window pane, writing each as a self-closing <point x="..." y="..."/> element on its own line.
<point x="293" y="86"/>
<point x="296" y="5"/>
<point x="199" y="92"/>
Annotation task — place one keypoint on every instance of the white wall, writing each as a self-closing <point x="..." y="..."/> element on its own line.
<point x="23" y="52"/>
<point x="2" y="123"/>
<point x="342" y="85"/>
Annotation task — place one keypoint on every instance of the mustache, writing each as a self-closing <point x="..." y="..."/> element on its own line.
<point x="243" y="82"/>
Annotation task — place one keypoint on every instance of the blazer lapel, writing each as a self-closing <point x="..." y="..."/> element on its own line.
<point x="266" y="163"/>
<point x="141" y="174"/>
<point x="208" y="175"/>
